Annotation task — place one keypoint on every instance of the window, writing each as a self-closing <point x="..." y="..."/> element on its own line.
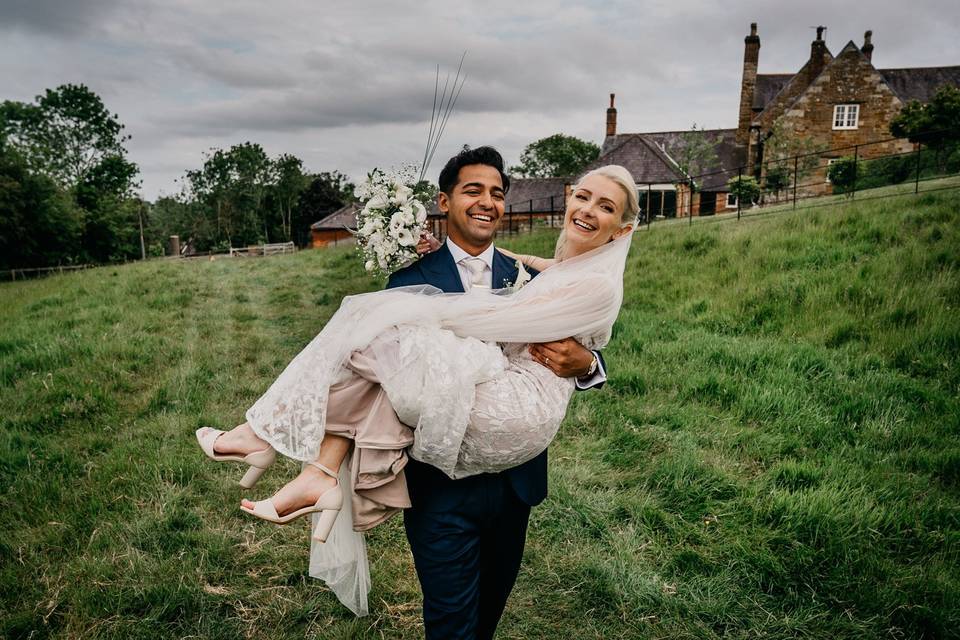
<point x="731" y="200"/>
<point x="845" y="116"/>
<point x="830" y="161"/>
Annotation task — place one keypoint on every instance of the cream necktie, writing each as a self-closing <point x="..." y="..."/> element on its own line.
<point x="477" y="268"/>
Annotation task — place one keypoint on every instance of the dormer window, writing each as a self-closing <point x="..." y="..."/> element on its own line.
<point x="845" y="116"/>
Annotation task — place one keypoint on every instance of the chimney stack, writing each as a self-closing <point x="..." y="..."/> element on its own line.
<point x="867" y="47"/>
<point x="748" y="84"/>
<point x="818" y="54"/>
<point x="611" y="118"/>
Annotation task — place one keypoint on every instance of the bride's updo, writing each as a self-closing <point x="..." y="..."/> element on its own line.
<point x="625" y="181"/>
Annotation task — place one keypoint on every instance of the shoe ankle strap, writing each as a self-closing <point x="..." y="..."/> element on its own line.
<point x="330" y="472"/>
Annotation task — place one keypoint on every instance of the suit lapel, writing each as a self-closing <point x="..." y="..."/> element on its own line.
<point x="504" y="270"/>
<point x="441" y="271"/>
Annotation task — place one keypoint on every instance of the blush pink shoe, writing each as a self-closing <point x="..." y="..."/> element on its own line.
<point x="259" y="461"/>
<point x="327" y="505"/>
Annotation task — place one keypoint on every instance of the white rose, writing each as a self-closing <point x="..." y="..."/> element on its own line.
<point x="401" y="193"/>
<point x="420" y="212"/>
<point x="377" y="201"/>
<point x="405" y="238"/>
<point x="397" y="221"/>
<point x="369" y="265"/>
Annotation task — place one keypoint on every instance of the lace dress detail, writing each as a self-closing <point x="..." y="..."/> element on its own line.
<point x="475" y="407"/>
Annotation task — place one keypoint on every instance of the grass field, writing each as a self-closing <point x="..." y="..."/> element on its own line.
<point x="776" y="454"/>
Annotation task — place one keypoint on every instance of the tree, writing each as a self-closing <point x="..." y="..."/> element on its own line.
<point x="746" y="189"/>
<point x="776" y="179"/>
<point x="288" y="183"/>
<point x="843" y="175"/>
<point x="556" y="156"/>
<point x="65" y="134"/>
<point x="788" y="157"/>
<point x="696" y="154"/>
<point x="935" y="125"/>
<point x="40" y="225"/>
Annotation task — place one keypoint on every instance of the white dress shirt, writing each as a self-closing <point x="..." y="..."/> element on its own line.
<point x="459" y="255"/>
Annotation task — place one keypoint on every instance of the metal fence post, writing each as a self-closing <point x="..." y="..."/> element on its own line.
<point x="649" y="186"/>
<point x="739" y="189"/>
<point x="916" y="180"/>
<point x="856" y="159"/>
<point x="796" y="165"/>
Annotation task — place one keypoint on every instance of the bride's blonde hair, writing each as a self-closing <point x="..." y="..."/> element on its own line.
<point x="625" y="181"/>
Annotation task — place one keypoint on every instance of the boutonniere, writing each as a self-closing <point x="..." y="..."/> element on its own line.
<point x="523" y="277"/>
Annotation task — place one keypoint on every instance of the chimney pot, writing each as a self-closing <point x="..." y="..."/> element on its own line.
<point x="753" y="28"/>
<point x="820" y="31"/>
<point x="867" y="47"/>
<point x="612" y="118"/>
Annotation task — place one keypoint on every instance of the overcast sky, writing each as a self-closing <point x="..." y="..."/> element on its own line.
<point x="349" y="86"/>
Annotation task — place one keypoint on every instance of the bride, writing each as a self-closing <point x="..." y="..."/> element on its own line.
<point x="490" y="405"/>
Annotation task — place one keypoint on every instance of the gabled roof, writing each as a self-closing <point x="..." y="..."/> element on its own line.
<point x="641" y="156"/>
<point x="343" y="218"/>
<point x="650" y="156"/>
<point x="768" y="85"/>
<point x="917" y="83"/>
<point x="791" y="90"/>
<point x="920" y="83"/>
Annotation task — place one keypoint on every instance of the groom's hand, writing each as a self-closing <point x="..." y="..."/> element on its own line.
<point x="567" y="358"/>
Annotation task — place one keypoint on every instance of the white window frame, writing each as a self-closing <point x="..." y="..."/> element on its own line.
<point x="731" y="201"/>
<point x="826" y="173"/>
<point x="846" y="116"/>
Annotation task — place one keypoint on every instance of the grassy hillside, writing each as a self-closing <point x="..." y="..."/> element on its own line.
<point x="776" y="453"/>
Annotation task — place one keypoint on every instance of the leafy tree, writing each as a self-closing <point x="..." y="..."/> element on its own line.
<point x="68" y="132"/>
<point x="936" y="124"/>
<point x="746" y="189"/>
<point x="790" y="157"/>
<point x="111" y="230"/>
<point x="843" y="175"/>
<point x="288" y="183"/>
<point x="326" y="192"/>
<point x="696" y="154"/>
<point x="776" y="179"/>
<point x="39" y="223"/>
<point x="556" y="156"/>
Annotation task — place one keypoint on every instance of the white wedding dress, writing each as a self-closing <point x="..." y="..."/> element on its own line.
<point x="457" y="371"/>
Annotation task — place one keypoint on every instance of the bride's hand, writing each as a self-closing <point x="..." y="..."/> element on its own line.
<point x="427" y="244"/>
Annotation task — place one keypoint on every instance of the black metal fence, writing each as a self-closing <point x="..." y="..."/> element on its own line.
<point x="881" y="169"/>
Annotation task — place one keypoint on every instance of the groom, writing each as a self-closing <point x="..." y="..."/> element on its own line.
<point x="467" y="535"/>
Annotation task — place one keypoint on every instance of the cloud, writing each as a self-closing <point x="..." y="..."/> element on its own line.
<point x="349" y="85"/>
<point x="57" y="17"/>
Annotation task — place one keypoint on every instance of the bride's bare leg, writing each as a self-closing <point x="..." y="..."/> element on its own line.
<point x="306" y="488"/>
<point x="241" y="440"/>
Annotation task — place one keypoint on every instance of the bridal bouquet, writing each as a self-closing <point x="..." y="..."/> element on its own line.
<point x="394" y="215"/>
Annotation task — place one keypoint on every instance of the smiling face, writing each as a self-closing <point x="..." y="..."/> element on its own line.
<point x="473" y="207"/>
<point x="594" y="214"/>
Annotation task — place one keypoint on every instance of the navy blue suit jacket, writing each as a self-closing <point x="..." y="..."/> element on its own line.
<point x="529" y="480"/>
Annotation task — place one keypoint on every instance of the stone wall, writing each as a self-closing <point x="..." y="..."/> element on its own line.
<point x="849" y="79"/>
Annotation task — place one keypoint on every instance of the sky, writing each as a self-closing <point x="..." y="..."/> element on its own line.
<point x="349" y="86"/>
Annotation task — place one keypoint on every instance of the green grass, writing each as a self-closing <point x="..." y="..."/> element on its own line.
<point x="775" y="455"/>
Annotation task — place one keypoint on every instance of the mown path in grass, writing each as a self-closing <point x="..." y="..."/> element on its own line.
<point x="775" y="455"/>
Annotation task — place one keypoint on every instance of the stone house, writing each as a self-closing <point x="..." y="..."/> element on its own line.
<point x="841" y="104"/>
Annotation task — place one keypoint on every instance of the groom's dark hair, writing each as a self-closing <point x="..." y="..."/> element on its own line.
<point x="467" y="156"/>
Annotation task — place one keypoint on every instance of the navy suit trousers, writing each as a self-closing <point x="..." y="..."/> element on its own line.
<point x="467" y="539"/>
